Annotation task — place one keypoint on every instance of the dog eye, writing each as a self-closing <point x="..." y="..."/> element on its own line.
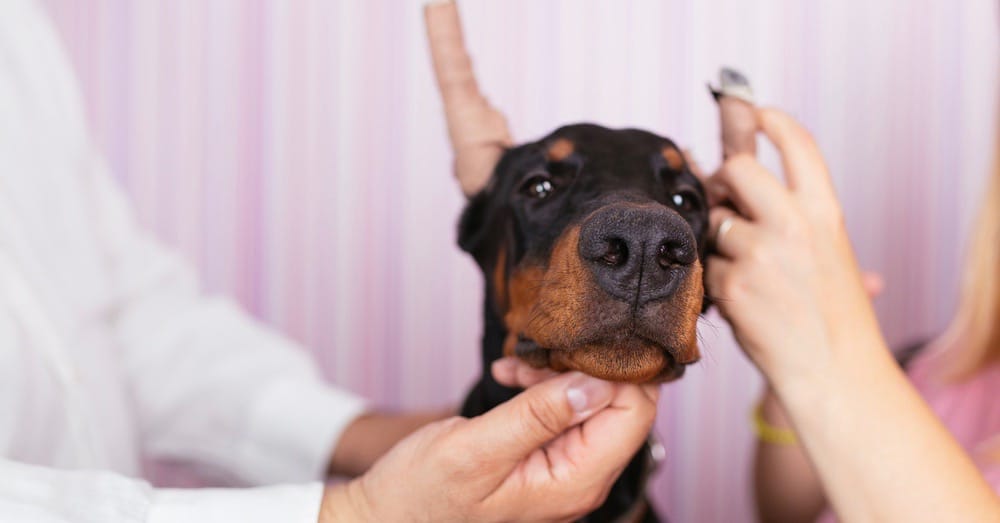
<point x="684" y="200"/>
<point x="539" y="186"/>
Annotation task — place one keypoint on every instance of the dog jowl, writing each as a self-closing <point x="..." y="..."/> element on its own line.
<point x="591" y="241"/>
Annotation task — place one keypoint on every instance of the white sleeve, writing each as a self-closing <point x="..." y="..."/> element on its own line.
<point x="212" y="387"/>
<point x="43" y="495"/>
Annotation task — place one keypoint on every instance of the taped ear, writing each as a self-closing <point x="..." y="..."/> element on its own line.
<point x="477" y="131"/>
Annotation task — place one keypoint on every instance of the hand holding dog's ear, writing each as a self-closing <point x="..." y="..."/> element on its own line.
<point x="785" y="274"/>
<point x="549" y="454"/>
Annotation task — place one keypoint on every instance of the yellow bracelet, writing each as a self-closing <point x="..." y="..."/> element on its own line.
<point x="768" y="433"/>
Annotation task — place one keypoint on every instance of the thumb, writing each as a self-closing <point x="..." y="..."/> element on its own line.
<point x="531" y="419"/>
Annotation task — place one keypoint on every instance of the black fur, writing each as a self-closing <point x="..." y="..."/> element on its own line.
<point x="607" y="164"/>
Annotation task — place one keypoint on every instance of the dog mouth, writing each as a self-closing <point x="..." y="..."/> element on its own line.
<point x="631" y="319"/>
<point x="626" y="356"/>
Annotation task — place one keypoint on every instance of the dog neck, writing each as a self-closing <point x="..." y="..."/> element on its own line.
<point x="626" y="501"/>
<point x="488" y="393"/>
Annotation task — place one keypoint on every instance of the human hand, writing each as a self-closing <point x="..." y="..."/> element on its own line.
<point x="784" y="274"/>
<point x="549" y="454"/>
<point x="774" y="413"/>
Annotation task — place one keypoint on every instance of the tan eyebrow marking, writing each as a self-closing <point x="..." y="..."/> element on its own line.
<point x="559" y="150"/>
<point x="673" y="157"/>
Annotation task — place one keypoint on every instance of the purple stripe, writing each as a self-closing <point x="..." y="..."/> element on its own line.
<point x="881" y="85"/>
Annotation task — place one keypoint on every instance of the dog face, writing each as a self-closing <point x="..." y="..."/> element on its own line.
<point x="592" y="242"/>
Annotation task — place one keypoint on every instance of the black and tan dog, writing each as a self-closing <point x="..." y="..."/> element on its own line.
<point x="591" y="241"/>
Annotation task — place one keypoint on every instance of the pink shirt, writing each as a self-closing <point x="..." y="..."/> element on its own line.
<point x="969" y="409"/>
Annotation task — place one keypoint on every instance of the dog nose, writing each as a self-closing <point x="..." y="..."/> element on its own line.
<point x="637" y="252"/>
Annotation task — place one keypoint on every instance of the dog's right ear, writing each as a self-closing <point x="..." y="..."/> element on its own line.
<point x="477" y="131"/>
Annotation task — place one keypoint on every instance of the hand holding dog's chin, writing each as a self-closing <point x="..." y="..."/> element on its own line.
<point x="786" y="276"/>
<point x="549" y="454"/>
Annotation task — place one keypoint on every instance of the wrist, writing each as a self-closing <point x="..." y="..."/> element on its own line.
<point x="805" y="394"/>
<point x="372" y="434"/>
<point x="771" y="409"/>
<point x="345" y="503"/>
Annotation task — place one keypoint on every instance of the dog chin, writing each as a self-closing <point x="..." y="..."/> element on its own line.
<point x="630" y="360"/>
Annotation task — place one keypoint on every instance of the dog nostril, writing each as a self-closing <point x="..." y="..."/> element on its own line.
<point x="617" y="253"/>
<point x="673" y="253"/>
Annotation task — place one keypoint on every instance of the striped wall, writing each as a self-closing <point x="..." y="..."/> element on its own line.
<point x="296" y="153"/>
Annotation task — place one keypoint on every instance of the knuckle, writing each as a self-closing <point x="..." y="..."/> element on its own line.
<point x="794" y="230"/>
<point x="591" y="501"/>
<point x="544" y="418"/>
<point x="447" y="428"/>
<point x="465" y="464"/>
<point x="759" y="253"/>
<point x="732" y="288"/>
<point x="831" y="218"/>
<point x="729" y="169"/>
<point x="451" y="423"/>
<point x="574" y="510"/>
<point x="740" y="162"/>
<point x="453" y="447"/>
<point x="595" y="501"/>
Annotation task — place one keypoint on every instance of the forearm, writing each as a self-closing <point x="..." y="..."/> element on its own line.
<point x="35" y="493"/>
<point x="786" y="486"/>
<point x="881" y="453"/>
<point x="371" y="435"/>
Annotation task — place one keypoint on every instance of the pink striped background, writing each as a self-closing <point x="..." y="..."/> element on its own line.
<point x="296" y="153"/>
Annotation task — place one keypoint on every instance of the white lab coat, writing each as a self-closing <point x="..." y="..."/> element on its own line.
<point x="110" y="353"/>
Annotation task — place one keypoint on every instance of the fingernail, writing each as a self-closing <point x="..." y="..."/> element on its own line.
<point x="586" y="393"/>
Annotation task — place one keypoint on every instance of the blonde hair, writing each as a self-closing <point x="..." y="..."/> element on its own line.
<point x="973" y="338"/>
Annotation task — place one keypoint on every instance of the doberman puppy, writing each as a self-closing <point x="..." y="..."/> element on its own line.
<point x="591" y="242"/>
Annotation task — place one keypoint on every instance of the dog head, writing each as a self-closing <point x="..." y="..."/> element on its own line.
<point x="592" y="242"/>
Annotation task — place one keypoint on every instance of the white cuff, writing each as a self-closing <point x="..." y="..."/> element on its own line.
<point x="285" y="504"/>
<point x="293" y="429"/>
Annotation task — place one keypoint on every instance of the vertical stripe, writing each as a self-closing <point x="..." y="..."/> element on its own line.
<point x="296" y="153"/>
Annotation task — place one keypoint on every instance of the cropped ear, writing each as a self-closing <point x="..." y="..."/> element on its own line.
<point x="477" y="131"/>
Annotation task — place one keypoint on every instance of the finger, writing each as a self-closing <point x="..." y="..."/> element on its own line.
<point x="757" y="194"/>
<point x="513" y="372"/>
<point x="801" y="158"/>
<point x="739" y="126"/>
<point x="477" y="131"/>
<point x="693" y="165"/>
<point x="606" y="442"/>
<point x="737" y="113"/>
<point x="717" y="269"/>
<point x="716" y="192"/>
<point x="729" y="233"/>
<point x="873" y="283"/>
<point x="513" y="430"/>
<point x="652" y="391"/>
